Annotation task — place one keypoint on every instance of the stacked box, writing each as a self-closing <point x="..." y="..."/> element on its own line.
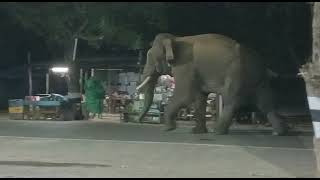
<point x="16" y="108"/>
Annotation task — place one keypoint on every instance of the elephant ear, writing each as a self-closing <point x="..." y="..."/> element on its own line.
<point x="167" y="44"/>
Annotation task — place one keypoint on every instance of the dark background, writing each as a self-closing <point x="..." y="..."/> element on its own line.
<point x="280" y="31"/>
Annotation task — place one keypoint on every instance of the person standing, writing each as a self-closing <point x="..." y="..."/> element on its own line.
<point x="94" y="93"/>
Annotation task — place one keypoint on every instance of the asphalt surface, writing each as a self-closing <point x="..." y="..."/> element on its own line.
<point x="108" y="149"/>
<point x="104" y="130"/>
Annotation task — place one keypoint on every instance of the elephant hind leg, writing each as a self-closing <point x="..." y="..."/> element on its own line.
<point x="279" y="125"/>
<point x="266" y="104"/>
<point x="200" y="111"/>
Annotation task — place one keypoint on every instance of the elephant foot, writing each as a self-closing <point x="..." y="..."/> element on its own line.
<point x="199" y="130"/>
<point x="170" y="126"/>
<point x="280" y="129"/>
<point x="280" y="126"/>
<point x="139" y="120"/>
<point x="220" y="130"/>
<point x="282" y="132"/>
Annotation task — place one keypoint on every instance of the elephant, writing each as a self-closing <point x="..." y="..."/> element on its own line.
<point x="203" y="64"/>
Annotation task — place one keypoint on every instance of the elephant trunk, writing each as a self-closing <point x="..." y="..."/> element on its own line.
<point x="148" y="89"/>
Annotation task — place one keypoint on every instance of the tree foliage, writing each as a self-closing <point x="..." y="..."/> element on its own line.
<point x="279" y="29"/>
<point x="120" y="23"/>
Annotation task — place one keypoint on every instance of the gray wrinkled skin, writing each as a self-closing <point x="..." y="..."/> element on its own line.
<point x="208" y="63"/>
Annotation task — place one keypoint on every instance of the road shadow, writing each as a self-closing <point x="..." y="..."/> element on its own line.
<point x="50" y="164"/>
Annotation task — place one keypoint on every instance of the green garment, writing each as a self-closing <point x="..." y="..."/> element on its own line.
<point x="94" y="94"/>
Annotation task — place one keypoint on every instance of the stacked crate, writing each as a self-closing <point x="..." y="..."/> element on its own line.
<point x="16" y="108"/>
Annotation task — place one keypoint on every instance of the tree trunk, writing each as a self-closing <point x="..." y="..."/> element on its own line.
<point x="73" y="81"/>
<point x="311" y="75"/>
<point x="74" y="71"/>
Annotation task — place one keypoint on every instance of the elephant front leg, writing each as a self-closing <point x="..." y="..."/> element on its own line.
<point x="225" y="120"/>
<point x="200" y="111"/>
<point x="176" y="103"/>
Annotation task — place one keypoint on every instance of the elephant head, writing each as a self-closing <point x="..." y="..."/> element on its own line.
<point x="158" y="59"/>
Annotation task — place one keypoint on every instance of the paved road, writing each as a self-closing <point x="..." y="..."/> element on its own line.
<point x="104" y="149"/>
<point x="102" y="130"/>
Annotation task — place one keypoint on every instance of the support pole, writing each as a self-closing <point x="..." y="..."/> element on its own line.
<point x="92" y="72"/>
<point x="30" y="74"/>
<point x="75" y="49"/>
<point x="81" y="80"/>
<point x="139" y="63"/>
<point x="220" y="108"/>
<point x="86" y="75"/>
<point x="109" y="81"/>
<point x="47" y="83"/>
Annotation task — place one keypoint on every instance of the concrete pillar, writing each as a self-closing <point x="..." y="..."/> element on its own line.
<point x="311" y="75"/>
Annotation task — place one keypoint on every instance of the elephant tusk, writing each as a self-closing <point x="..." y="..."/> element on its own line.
<point x="144" y="83"/>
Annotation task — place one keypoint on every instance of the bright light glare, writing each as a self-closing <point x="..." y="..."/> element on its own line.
<point x="60" y="69"/>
